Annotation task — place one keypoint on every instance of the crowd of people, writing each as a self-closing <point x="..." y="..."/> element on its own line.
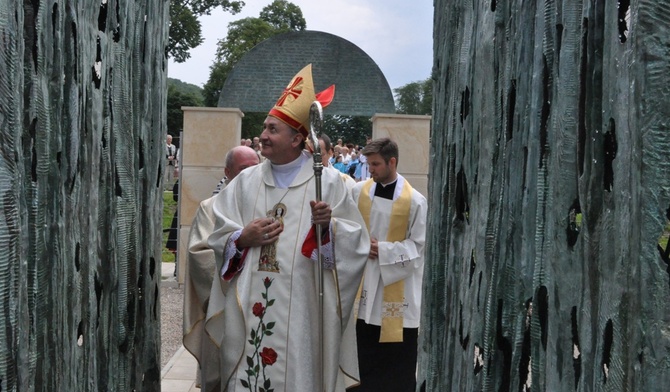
<point x="345" y="157"/>
<point x="254" y="144"/>
<point x="257" y="316"/>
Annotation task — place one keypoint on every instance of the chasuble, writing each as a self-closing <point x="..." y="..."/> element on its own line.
<point x="265" y="317"/>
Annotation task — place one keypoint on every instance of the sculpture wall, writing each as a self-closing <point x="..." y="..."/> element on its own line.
<point x="549" y="188"/>
<point x="82" y="95"/>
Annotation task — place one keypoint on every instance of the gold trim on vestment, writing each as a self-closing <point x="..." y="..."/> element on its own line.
<point x="394" y="294"/>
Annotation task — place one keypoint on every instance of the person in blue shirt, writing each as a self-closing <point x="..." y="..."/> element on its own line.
<point x="353" y="164"/>
<point x="339" y="165"/>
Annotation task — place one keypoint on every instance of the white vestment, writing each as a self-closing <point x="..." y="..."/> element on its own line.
<point x="200" y="271"/>
<point x="362" y="171"/>
<point x="348" y="181"/>
<point x="401" y="260"/>
<point x="266" y="320"/>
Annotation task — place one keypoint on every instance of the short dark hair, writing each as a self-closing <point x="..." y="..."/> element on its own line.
<point x="326" y="142"/>
<point x="385" y="147"/>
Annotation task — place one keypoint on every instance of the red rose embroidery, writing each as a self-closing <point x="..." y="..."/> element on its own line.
<point x="257" y="378"/>
<point x="268" y="356"/>
<point x="259" y="309"/>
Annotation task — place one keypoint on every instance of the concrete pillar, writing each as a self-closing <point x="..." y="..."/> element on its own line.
<point x="208" y="135"/>
<point x="412" y="133"/>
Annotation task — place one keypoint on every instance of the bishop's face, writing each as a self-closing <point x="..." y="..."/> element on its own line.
<point x="279" y="142"/>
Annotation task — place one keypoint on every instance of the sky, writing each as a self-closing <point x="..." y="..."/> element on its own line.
<point x="396" y="34"/>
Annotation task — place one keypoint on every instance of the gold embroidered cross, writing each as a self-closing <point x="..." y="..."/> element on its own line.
<point x="393" y="309"/>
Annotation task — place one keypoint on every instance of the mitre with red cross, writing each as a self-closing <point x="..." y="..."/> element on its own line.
<point x="294" y="103"/>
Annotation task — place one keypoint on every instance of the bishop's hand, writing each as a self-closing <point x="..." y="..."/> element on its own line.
<point x="321" y="213"/>
<point x="260" y="232"/>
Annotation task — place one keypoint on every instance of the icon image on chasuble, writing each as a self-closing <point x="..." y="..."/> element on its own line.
<point x="268" y="261"/>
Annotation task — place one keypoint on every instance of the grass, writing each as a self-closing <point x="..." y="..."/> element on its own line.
<point x="663" y="241"/>
<point x="169" y="207"/>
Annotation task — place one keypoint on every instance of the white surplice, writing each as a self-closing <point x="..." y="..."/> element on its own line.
<point x="276" y="313"/>
<point x="400" y="260"/>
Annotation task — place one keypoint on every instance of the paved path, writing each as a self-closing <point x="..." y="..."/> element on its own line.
<point x="178" y="375"/>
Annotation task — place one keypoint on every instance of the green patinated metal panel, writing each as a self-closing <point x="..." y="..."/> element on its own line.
<point x="82" y="97"/>
<point x="549" y="187"/>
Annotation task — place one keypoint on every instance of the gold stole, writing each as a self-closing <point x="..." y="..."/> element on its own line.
<point x="394" y="294"/>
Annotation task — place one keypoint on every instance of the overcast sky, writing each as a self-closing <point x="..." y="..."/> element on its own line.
<point x="396" y="34"/>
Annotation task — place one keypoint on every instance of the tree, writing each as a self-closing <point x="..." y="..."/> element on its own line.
<point x="252" y="124"/>
<point x="212" y="89"/>
<point x="186" y="88"/>
<point x="243" y="35"/>
<point x="415" y="98"/>
<point x="284" y="16"/>
<point x="278" y="17"/>
<point x="176" y="98"/>
<point x="185" y="29"/>
<point x="351" y="129"/>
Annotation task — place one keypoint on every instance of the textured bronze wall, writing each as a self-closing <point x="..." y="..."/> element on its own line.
<point x="550" y="187"/>
<point x="82" y="95"/>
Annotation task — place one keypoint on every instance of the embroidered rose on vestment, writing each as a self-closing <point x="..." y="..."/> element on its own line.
<point x="258" y="309"/>
<point x="257" y="379"/>
<point x="269" y="356"/>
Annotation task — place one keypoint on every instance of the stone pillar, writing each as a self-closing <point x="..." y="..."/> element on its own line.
<point x="208" y="135"/>
<point x="412" y="133"/>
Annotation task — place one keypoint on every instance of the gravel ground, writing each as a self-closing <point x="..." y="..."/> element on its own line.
<point x="172" y="302"/>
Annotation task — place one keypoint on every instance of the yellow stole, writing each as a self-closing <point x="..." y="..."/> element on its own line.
<point x="394" y="294"/>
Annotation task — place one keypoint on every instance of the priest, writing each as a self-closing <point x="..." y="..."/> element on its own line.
<point x="200" y="271"/>
<point x="390" y="300"/>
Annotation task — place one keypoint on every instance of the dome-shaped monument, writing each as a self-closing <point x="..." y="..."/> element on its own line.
<point x="261" y="75"/>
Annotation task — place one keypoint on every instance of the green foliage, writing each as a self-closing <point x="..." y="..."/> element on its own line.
<point x="252" y="124"/>
<point x="218" y="72"/>
<point x="279" y="17"/>
<point x="185" y="33"/>
<point x="351" y="129"/>
<point x="176" y="98"/>
<point x="186" y="88"/>
<point x="415" y="98"/>
<point x="185" y="29"/>
<point x="665" y="237"/>
<point x="169" y="207"/>
<point x="284" y="16"/>
<point x="243" y="35"/>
